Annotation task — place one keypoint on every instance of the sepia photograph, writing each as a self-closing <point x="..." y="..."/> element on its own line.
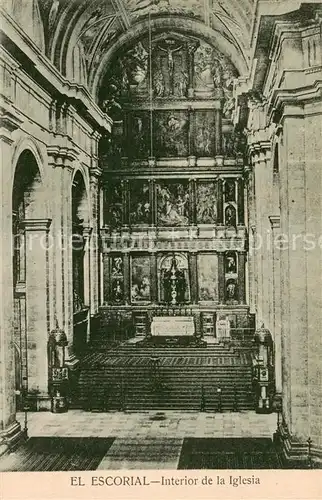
<point x="161" y="244"/>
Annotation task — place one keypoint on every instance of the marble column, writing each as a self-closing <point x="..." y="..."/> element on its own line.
<point x="127" y="278"/>
<point x="241" y="277"/>
<point x="220" y="203"/>
<point x="218" y="133"/>
<point x="241" y="202"/>
<point x="193" y="266"/>
<point x="221" y="278"/>
<point x="154" y="277"/>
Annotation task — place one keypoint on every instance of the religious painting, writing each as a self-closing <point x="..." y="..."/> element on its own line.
<point x="230" y="215"/>
<point x="140" y="279"/>
<point x="231" y="263"/>
<point x="174" y="279"/>
<point x="208" y="277"/>
<point x="230" y="190"/>
<point x="231" y="292"/>
<point x="206" y="202"/>
<point x="138" y="135"/>
<point x="173" y="203"/>
<point x="171" y="133"/>
<point x="117" y="278"/>
<point x="113" y="204"/>
<point x="204" y="68"/>
<point x="205" y="133"/>
<point x="140" y="207"/>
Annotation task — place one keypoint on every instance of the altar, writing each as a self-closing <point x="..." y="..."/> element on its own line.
<point x="172" y="326"/>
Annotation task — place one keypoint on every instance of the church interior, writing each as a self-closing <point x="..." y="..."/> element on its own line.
<point x="161" y="234"/>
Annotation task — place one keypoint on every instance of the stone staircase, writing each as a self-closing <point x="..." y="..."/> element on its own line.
<point x="214" y="378"/>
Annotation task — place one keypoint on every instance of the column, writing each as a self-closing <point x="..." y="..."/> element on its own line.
<point x="37" y="299"/>
<point x="127" y="278"/>
<point x="218" y="132"/>
<point x="193" y="267"/>
<point x="191" y="134"/>
<point x="241" y="277"/>
<point x="220" y="206"/>
<point x="94" y="254"/>
<point x="193" y="201"/>
<point x="241" y="202"/>
<point x="221" y="278"/>
<point x="191" y="69"/>
<point x="106" y="278"/>
<point x="154" y="277"/>
<point x="275" y="223"/>
<point x="294" y="286"/>
<point x="10" y="429"/>
<point x="87" y="232"/>
<point x="60" y="253"/>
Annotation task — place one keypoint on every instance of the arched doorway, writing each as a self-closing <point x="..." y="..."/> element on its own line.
<point x="30" y="277"/>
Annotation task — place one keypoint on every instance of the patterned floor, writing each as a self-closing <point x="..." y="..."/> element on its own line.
<point x="80" y="440"/>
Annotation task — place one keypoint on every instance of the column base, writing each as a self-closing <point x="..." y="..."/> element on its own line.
<point x="11" y="437"/>
<point x="296" y="454"/>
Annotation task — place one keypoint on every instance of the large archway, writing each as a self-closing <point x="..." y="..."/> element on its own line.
<point x="30" y="279"/>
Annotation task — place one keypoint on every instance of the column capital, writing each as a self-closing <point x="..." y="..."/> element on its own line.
<point x="36" y="224"/>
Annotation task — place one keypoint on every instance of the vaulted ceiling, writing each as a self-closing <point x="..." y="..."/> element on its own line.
<point x="91" y="30"/>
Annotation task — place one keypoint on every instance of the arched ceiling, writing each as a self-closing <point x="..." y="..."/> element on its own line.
<point x="94" y="27"/>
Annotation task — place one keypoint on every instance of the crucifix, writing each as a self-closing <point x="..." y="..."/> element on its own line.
<point x="170" y="51"/>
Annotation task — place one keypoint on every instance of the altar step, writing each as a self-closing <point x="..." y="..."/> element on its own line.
<point x="187" y="382"/>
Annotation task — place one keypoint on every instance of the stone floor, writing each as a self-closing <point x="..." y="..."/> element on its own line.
<point x="142" y="441"/>
<point x="78" y="423"/>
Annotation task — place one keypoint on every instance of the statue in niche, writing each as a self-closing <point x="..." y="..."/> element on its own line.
<point x="230" y="192"/>
<point x="230" y="216"/>
<point x="117" y="267"/>
<point x="230" y="263"/>
<point x="231" y="290"/>
<point x="229" y="107"/>
<point x="117" y="291"/>
<point x="174" y="284"/>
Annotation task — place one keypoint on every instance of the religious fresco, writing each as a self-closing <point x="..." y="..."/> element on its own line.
<point x="113" y="204"/>
<point x="174" y="279"/>
<point x="117" y="279"/>
<point x="208" y="277"/>
<point x="205" y="133"/>
<point x="170" y="68"/>
<point x="140" y="206"/>
<point x="173" y="203"/>
<point x="140" y="279"/>
<point x="206" y="202"/>
<point x="138" y="8"/>
<point x="171" y="133"/>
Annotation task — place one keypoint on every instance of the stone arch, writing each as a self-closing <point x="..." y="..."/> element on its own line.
<point x="181" y="25"/>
